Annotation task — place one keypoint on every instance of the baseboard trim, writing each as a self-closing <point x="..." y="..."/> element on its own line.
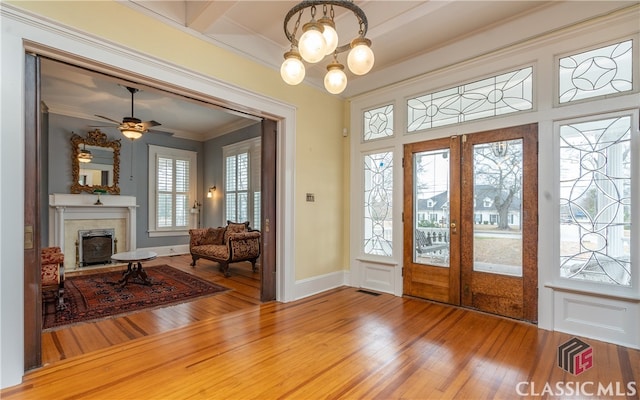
<point x="173" y="250"/>
<point x="310" y="286"/>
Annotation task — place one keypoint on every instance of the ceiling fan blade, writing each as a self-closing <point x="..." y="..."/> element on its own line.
<point x="161" y="132"/>
<point x="149" y="124"/>
<point x="107" y="118"/>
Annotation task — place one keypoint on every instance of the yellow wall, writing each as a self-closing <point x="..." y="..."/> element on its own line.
<point x="320" y="227"/>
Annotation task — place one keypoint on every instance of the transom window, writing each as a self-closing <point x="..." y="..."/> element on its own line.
<point x="378" y="123"/>
<point x="606" y="70"/>
<point x="501" y="94"/>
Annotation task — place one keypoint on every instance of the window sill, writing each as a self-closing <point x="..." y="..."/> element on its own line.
<point x="388" y="262"/>
<point x="168" y="233"/>
<point x="628" y="296"/>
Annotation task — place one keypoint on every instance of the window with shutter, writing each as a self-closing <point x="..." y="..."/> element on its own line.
<point x="242" y="182"/>
<point x="173" y="174"/>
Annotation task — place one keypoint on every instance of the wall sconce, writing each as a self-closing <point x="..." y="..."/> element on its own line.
<point x="211" y="190"/>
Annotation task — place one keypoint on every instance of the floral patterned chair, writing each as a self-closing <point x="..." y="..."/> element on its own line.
<point x="52" y="273"/>
<point x="228" y="244"/>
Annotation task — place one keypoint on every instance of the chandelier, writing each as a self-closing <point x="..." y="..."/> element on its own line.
<point x="319" y="38"/>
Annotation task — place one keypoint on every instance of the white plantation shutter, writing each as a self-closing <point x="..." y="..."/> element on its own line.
<point x="242" y="182"/>
<point x="254" y="170"/>
<point x="164" y="201"/>
<point x="172" y="173"/>
<point x="182" y="193"/>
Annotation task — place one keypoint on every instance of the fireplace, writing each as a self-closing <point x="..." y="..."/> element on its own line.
<point x="70" y="213"/>
<point x="95" y="246"/>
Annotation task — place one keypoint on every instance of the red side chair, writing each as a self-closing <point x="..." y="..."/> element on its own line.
<point x="52" y="261"/>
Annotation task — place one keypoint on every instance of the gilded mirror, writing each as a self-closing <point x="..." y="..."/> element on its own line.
<point x="95" y="163"/>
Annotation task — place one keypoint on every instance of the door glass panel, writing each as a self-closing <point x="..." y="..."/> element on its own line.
<point x="497" y="233"/>
<point x="431" y="214"/>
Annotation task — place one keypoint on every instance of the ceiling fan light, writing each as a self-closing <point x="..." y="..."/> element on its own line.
<point x="312" y="44"/>
<point x="335" y="81"/>
<point x="330" y="34"/>
<point x="131" y="134"/>
<point x="292" y="69"/>
<point x="85" y="156"/>
<point x="360" y="59"/>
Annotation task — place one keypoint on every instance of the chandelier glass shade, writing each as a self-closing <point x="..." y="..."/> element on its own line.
<point x="320" y="38"/>
<point x="292" y="69"/>
<point x="335" y="81"/>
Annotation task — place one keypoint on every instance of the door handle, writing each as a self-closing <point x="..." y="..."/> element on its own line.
<point x="453" y="227"/>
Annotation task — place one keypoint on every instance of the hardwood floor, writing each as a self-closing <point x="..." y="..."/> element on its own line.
<point x="343" y="343"/>
<point x="83" y="338"/>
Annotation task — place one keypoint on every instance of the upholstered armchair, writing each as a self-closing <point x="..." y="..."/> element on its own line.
<point x="52" y="273"/>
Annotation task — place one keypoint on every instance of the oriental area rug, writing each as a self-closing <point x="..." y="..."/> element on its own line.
<point x="97" y="296"/>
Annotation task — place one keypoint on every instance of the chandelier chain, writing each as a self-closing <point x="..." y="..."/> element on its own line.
<point x="362" y="18"/>
<point x="296" y="26"/>
<point x="321" y="38"/>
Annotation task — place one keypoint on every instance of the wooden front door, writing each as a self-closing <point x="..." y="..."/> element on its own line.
<point x="471" y="221"/>
<point x="431" y="214"/>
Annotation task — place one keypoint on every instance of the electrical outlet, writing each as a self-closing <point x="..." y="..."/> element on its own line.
<point x="311" y="197"/>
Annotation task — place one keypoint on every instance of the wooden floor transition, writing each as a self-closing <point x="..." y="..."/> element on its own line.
<point x="340" y="344"/>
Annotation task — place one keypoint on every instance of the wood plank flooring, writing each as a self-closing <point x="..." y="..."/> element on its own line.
<point x="82" y="338"/>
<point x="341" y="344"/>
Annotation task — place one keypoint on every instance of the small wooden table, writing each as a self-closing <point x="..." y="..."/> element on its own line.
<point x="134" y="267"/>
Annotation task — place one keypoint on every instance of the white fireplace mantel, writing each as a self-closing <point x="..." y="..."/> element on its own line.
<point x="67" y="207"/>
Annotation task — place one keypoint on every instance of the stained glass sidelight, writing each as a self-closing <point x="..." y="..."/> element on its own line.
<point x="595" y="201"/>
<point x="378" y="202"/>
<point x="607" y="70"/>
<point x="498" y="95"/>
<point x="378" y="123"/>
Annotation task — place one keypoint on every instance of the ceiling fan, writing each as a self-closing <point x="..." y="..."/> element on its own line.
<point x="132" y="127"/>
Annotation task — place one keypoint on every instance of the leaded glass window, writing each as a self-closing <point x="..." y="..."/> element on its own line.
<point x="378" y="123"/>
<point x="378" y="203"/>
<point x="595" y="201"/>
<point x="607" y="70"/>
<point x="502" y="94"/>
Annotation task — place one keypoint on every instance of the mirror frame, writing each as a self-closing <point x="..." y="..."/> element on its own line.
<point x="94" y="138"/>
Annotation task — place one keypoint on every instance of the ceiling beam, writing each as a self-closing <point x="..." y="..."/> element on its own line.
<point x="201" y="15"/>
